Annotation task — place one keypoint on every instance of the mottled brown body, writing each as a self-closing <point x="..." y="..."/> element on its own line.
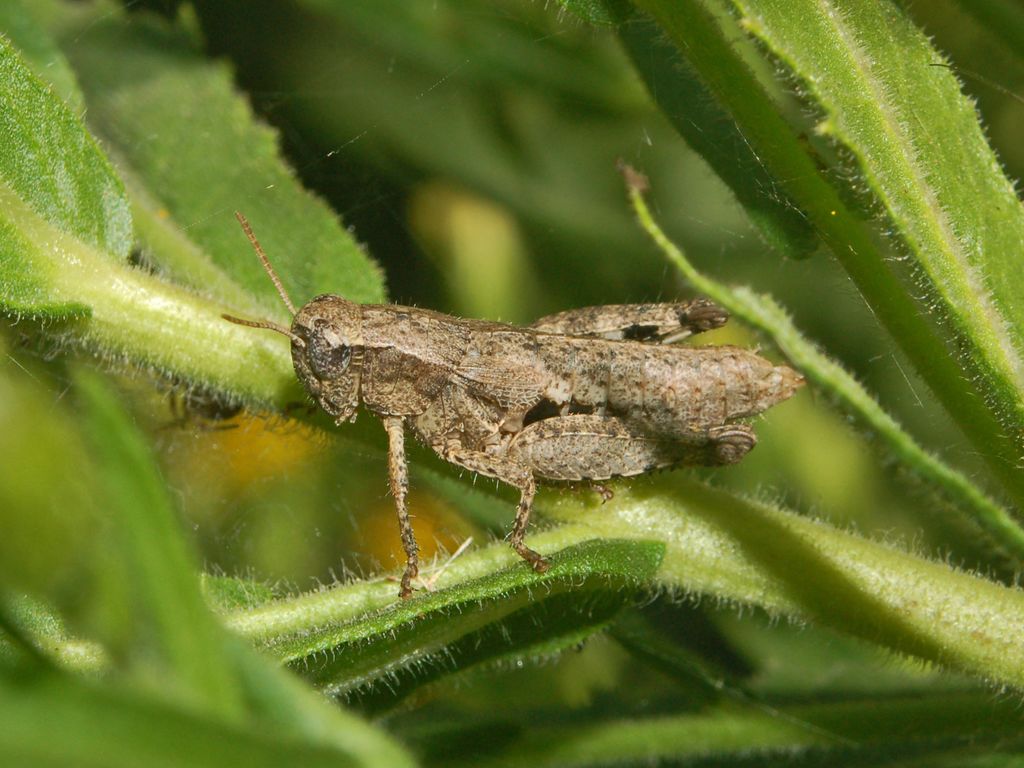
<point x="587" y="394"/>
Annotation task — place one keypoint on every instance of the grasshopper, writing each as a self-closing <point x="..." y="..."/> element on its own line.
<point x="587" y="394"/>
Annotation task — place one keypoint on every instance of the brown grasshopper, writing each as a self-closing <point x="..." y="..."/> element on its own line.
<point x="586" y="394"/>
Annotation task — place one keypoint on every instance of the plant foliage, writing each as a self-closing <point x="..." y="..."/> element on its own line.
<point x="844" y="596"/>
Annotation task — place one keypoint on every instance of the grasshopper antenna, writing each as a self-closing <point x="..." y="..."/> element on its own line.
<point x="265" y="262"/>
<point x="267" y="324"/>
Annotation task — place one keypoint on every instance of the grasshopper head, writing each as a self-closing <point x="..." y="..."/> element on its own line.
<point x="327" y="353"/>
<point x="327" y="347"/>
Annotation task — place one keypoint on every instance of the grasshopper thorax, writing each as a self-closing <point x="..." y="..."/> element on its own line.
<point x="327" y="352"/>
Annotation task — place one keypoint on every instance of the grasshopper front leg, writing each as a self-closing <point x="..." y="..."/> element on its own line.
<point x="398" y="474"/>
<point x="658" y="323"/>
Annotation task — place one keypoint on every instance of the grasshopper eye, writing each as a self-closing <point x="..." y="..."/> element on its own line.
<point x="327" y="352"/>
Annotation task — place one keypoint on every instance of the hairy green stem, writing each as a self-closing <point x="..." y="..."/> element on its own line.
<point x="138" y="317"/>
<point x="730" y="549"/>
<point x="749" y="553"/>
<point x="762" y="313"/>
<point x="733" y="549"/>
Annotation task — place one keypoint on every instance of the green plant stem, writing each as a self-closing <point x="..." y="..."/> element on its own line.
<point x="738" y="551"/>
<point x="347" y="603"/>
<point x="733" y="549"/>
<point x="762" y="313"/>
<point x="744" y="552"/>
<point x="133" y="315"/>
<point x="699" y="39"/>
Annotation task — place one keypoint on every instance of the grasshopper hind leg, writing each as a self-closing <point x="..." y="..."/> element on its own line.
<point x="591" y="447"/>
<point x="536" y="561"/>
<point x="730" y="443"/>
<point x="588" y="447"/>
<point x="508" y="471"/>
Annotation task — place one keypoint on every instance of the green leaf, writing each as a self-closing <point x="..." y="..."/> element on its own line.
<point x="680" y="640"/>
<point x="225" y="593"/>
<point x="870" y="70"/>
<point x="780" y="148"/>
<point x="467" y="100"/>
<point x="137" y="591"/>
<point x="756" y="554"/>
<point x="54" y="720"/>
<point x="72" y="259"/>
<point x="843" y="732"/>
<point x="34" y="626"/>
<point x="54" y="169"/>
<point x="192" y="154"/>
<point x="736" y="550"/>
<point x="54" y="165"/>
<point x="40" y="51"/>
<point x="692" y="108"/>
<point x="140" y="317"/>
<point x="164" y="612"/>
<point x="717" y="544"/>
<point x="591" y="11"/>
<point x="50" y="526"/>
<point x="511" y="613"/>
<point x="281" y="700"/>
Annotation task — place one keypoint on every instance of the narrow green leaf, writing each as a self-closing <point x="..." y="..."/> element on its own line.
<point x="50" y="527"/>
<point x="34" y="623"/>
<point x="698" y="37"/>
<point x="226" y="593"/>
<point x="511" y="612"/>
<point x="277" y="697"/>
<point x="705" y="125"/>
<point x="844" y="732"/>
<point x="537" y="629"/>
<point x="50" y="164"/>
<point x="726" y="547"/>
<point x="118" y="564"/>
<point x="917" y="141"/>
<point x="753" y="553"/>
<point x="165" y="614"/>
<point x="58" y="721"/>
<point x="681" y="640"/>
<point x="735" y="550"/>
<point x="762" y="313"/>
